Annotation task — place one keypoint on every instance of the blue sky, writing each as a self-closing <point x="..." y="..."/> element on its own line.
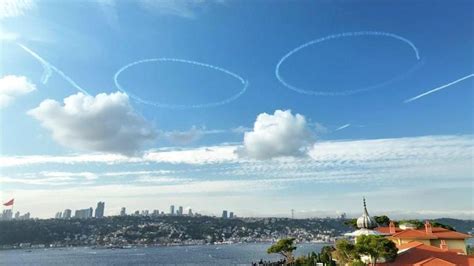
<point x="320" y="158"/>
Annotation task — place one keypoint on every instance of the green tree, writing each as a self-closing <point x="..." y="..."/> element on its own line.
<point x="325" y="256"/>
<point x="345" y="252"/>
<point x="376" y="247"/>
<point x="438" y="224"/>
<point x="284" y="247"/>
<point x="382" y="220"/>
<point x="351" y="222"/>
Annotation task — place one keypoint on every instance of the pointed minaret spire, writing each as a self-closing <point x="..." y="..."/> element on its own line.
<point x="365" y="207"/>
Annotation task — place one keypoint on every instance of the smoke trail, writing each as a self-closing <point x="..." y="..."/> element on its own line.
<point x="342" y="127"/>
<point x="182" y="106"/>
<point x="344" y="35"/>
<point x="438" y="88"/>
<point x="49" y="68"/>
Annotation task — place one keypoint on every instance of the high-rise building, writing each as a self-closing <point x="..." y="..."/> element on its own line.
<point x="17" y="215"/>
<point x="156" y="213"/>
<point x="84" y="213"/>
<point x="145" y="213"/>
<point x="137" y="213"/>
<point x="58" y="215"/>
<point x="123" y="211"/>
<point x="190" y="212"/>
<point x="25" y="216"/>
<point x="67" y="214"/>
<point x="224" y="214"/>
<point x="99" y="210"/>
<point x="172" y="209"/>
<point x="180" y="210"/>
<point x="231" y="215"/>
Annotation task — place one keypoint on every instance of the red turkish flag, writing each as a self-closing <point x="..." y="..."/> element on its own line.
<point x="9" y="203"/>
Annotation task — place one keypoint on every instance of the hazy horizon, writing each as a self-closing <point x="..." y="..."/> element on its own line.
<point x="252" y="107"/>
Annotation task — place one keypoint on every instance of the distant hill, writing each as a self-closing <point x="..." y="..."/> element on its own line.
<point x="460" y="225"/>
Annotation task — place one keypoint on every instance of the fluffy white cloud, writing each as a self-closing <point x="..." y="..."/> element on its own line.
<point x="13" y="86"/>
<point x="280" y="134"/>
<point x="15" y="8"/>
<point x="104" y="123"/>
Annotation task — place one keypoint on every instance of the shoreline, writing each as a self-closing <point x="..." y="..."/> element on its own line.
<point x="149" y="246"/>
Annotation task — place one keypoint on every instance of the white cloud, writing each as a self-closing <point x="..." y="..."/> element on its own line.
<point x="104" y="123"/>
<point x="202" y="155"/>
<point x="184" y="137"/>
<point x="280" y="134"/>
<point x="12" y="86"/>
<point x="15" y="8"/>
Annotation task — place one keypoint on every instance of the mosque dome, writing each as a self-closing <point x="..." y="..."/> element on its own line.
<point x="365" y="221"/>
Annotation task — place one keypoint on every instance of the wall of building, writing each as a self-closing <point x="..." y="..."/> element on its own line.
<point x="452" y="244"/>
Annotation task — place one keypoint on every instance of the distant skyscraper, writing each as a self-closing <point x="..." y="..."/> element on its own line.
<point x="123" y="211"/>
<point x="190" y="212"/>
<point x="156" y="213"/>
<point x="224" y="214"/>
<point x="84" y="213"/>
<point x="172" y="209"/>
<point x="99" y="210"/>
<point x="231" y="215"/>
<point x="25" y="216"/>
<point x="58" y="215"/>
<point x="17" y="215"/>
<point x="67" y="214"/>
<point x="180" y="210"/>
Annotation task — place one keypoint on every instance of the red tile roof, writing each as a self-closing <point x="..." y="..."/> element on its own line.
<point x="419" y="254"/>
<point x="434" y="262"/>
<point x="437" y="233"/>
<point x="413" y="234"/>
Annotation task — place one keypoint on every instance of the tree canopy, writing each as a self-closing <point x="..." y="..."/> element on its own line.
<point x="284" y="247"/>
<point x="345" y="252"/>
<point x="376" y="247"/>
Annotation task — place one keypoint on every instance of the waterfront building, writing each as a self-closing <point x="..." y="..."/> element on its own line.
<point x="67" y="214"/>
<point x="431" y="236"/>
<point x="123" y="211"/>
<point x="99" y="210"/>
<point x="224" y="214"/>
<point x="417" y="246"/>
<point x="172" y="210"/>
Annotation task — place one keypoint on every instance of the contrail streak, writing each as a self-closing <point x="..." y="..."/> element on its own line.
<point x="182" y="106"/>
<point x="438" y="88"/>
<point x="342" y="127"/>
<point x="49" y="68"/>
<point x="337" y="36"/>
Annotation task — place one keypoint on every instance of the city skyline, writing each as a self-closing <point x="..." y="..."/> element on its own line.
<point x="253" y="108"/>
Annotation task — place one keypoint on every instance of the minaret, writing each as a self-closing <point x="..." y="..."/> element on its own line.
<point x="365" y="221"/>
